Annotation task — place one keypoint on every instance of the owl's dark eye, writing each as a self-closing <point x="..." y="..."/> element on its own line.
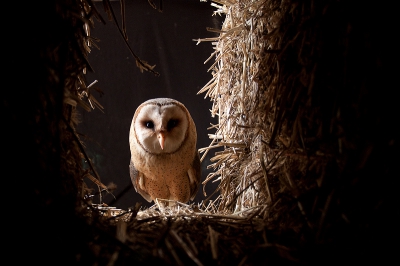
<point x="172" y="123"/>
<point x="149" y="124"/>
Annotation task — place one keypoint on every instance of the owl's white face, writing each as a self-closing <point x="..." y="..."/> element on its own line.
<point x="158" y="125"/>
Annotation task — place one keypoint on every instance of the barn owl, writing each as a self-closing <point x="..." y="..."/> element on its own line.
<point x="165" y="163"/>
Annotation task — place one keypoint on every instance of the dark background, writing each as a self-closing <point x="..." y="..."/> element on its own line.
<point x="164" y="39"/>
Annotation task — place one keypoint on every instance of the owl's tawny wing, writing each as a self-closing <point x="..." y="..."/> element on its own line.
<point x="136" y="177"/>
<point x="194" y="174"/>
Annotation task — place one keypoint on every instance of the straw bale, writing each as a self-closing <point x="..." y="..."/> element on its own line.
<point x="293" y="114"/>
<point x="246" y="106"/>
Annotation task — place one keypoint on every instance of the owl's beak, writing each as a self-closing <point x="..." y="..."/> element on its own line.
<point x="161" y="139"/>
